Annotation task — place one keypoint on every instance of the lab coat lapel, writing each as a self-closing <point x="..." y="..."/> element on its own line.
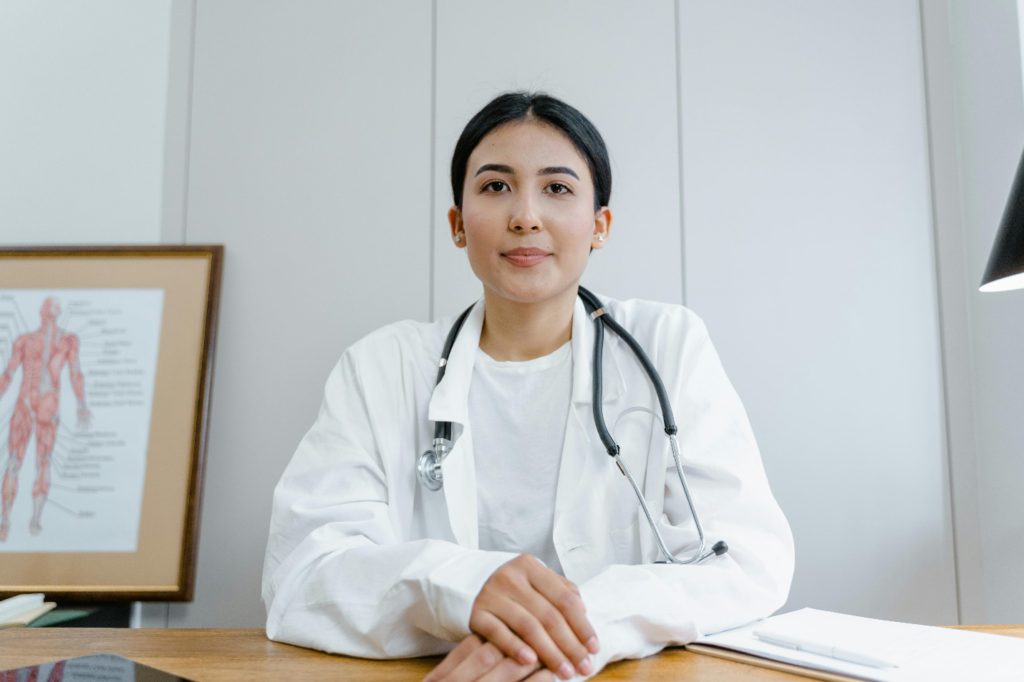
<point x="582" y="447"/>
<point x="450" y="402"/>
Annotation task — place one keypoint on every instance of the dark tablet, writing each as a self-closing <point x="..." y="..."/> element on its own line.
<point x="95" y="668"/>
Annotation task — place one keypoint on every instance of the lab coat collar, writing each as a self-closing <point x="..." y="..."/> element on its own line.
<point x="450" y="400"/>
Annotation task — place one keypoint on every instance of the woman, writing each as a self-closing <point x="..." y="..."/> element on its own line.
<point x="533" y="556"/>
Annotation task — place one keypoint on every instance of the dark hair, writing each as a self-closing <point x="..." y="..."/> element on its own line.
<point x="511" y="107"/>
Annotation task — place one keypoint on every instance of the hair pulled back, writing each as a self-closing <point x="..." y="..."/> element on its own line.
<point x="512" y="107"/>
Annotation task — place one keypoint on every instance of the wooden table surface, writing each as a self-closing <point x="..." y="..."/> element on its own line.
<point x="229" y="655"/>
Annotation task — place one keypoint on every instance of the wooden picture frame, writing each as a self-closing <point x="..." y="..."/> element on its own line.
<point x="106" y="367"/>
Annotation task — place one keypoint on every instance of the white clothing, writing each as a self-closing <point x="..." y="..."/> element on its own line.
<point x="518" y="411"/>
<point x="362" y="560"/>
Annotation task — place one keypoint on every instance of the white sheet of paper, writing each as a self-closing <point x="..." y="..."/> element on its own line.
<point x="96" y="474"/>
<point x="922" y="652"/>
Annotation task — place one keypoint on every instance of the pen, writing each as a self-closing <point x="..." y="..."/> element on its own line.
<point x="822" y="649"/>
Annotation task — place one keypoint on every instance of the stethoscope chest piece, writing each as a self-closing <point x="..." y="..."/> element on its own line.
<point x="428" y="466"/>
<point x="428" y="470"/>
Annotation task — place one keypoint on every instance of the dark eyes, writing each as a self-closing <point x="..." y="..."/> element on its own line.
<point x="500" y="186"/>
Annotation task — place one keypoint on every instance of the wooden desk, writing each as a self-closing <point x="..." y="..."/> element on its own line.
<point x="229" y="655"/>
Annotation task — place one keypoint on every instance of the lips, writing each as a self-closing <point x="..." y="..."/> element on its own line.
<point x="525" y="257"/>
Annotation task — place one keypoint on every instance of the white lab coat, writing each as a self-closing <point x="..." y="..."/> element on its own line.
<point x="364" y="561"/>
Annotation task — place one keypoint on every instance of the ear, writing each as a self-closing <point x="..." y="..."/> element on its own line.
<point x="458" y="231"/>
<point x="602" y="228"/>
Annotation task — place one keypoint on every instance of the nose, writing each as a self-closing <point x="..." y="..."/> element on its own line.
<point x="524" y="217"/>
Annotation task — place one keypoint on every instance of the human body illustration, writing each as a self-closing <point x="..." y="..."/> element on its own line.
<point x="41" y="355"/>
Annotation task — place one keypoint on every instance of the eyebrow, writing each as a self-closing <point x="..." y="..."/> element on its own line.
<point x="502" y="168"/>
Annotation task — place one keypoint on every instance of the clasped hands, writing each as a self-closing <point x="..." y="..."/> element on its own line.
<point x="528" y="623"/>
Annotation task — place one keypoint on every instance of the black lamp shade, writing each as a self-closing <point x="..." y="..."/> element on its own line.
<point x="1005" y="268"/>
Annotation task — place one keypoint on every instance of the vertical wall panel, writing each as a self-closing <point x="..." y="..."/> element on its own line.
<point x="613" y="61"/>
<point x="310" y="161"/>
<point x="959" y="379"/>
<point x="809" y="253"/>
<point x="83" y="96"/>
<point x="990" y="133"/>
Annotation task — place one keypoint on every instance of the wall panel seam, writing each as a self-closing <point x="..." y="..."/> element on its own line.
<point x="433" y="155"/>
<point x="188" y="120"/>
<point x="939" y="315"/>
<point x="679" y="152"/>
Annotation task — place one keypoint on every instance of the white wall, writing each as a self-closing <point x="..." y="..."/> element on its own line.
<point x="82" y="121"/>
<point x="313" y="141"/>
<point x="809" y="253"/>
<point x="317" y="180"/>
<point x="990" y="135"/>
<point x="779" y="128"/>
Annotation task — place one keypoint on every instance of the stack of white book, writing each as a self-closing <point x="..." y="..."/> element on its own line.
<point x="22" y="610"/>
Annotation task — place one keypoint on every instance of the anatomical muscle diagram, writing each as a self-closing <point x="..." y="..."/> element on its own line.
<point x="76" y="391"/>
<point x="41" y="355"/>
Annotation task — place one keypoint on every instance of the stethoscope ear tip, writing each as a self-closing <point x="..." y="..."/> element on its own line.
<point x="720" y="548"/>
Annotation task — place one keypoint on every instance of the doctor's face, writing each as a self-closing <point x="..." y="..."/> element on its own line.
<point x="528" y="220"/>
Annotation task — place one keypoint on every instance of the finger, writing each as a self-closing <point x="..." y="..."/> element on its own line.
<point x="543" y="675"/>
<point x="561" y="633"/>
<point x="576" y="590"/>
<point x="476" y="665"/>
<point x="564" y="594"/>
<point x="570" y="605"/>
<point x="454" y="657"/>
<point x="510" y="671"/>
<point x="527" y="625"/>
<point x="492" y="629"/>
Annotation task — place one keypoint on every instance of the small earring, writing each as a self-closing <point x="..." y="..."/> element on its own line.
<point x="600" y="237"/>
<point x="458" y="238"/>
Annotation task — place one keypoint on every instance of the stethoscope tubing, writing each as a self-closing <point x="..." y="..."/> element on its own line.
<point x="593" y="304"/>
<point x="602" y="318"/>
<point x="443" y="430"/>
<point x="428" y="465"/>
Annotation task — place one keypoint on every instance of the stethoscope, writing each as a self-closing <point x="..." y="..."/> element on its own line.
<point x="428" y="467"/>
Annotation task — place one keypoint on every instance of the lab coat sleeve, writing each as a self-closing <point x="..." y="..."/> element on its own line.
<point x="639" y="609"/>
<point x="336" y="577"/>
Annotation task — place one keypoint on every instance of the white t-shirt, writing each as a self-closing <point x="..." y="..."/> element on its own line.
<point x="519" y="411"/>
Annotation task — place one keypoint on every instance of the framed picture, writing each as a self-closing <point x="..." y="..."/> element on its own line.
<point x="106" y="365"/>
